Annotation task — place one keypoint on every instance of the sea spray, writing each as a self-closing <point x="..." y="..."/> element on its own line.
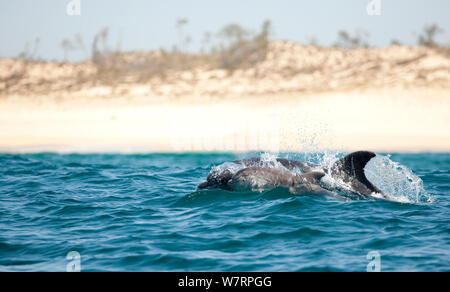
<point x="397" y="181"/>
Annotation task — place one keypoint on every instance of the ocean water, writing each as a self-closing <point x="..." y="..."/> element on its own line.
<point x="116" y="212"/>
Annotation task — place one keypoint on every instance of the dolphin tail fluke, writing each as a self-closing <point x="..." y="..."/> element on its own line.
<point x="351" y="169"/>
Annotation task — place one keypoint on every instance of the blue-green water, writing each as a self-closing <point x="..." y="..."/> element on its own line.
<point x="141" y="213"/>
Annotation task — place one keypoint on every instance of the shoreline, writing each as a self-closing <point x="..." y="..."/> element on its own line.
<point x="378" y="119"/>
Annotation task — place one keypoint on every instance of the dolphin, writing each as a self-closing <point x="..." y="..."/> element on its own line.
<point x="254" y="177"/>
<point x="264" y="178"/>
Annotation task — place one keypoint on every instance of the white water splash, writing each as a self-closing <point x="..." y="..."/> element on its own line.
<point x="326" y="160"/>
<point x="270" y="160"/>
<point x="266" y="160"/>
<point x="396" y="181"/>
<point x="230" y="166"/>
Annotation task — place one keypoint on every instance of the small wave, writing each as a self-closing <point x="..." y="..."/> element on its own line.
<point x="214" y="196"/>
<point x="139" y="213"/>
<point x="303" y="232"/>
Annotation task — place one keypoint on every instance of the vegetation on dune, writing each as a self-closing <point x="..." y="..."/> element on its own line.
<point x="428" y="35"/>
<point x="233" y="55"/>
<point x="346" y="40"/>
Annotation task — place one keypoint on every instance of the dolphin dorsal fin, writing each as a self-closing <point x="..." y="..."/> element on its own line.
<point x="353" y="165"/>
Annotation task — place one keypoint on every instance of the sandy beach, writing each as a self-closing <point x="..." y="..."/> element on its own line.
<point x="395" y="99"/>
<point x="378" y="119"/>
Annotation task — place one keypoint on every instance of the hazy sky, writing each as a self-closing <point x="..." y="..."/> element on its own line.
<point x="148" y="24"/>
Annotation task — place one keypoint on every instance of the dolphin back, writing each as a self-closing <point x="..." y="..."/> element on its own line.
<point x="311" y="177"/>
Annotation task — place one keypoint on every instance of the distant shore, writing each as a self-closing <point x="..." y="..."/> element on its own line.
<point x="378" y="119"/>
<point x="297" y="98"/>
